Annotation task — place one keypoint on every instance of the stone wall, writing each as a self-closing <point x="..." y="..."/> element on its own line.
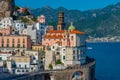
<point x="88" y="71"/>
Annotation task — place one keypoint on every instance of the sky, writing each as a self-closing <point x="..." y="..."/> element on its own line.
<point x="69" y="4"/>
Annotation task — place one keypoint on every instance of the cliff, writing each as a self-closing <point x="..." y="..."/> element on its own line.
<point x="6" y="8"/>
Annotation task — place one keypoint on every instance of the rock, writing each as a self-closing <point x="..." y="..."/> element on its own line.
<point x="7" y="8"/>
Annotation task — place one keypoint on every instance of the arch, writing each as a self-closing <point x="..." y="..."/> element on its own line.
<point x="77" y="75"/>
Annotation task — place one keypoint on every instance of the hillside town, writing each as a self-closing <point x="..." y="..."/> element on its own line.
<point x="21" y="49"/>
<point x="38" y="47"/>
<point x="27" y="48"/>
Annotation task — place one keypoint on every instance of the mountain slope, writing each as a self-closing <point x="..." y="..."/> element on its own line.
<point x="97" y="23"/>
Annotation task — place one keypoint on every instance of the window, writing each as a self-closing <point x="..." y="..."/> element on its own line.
<point x="7" y="45"/>
<point x="2" y="40"/>
<point x="31" y="68"/>
<point x="12" y="40"/>
<point x="73" y="51"/>
<point x="19" y="66"/>
<point x="4" y="34"/>
<point x="22" y="70"/>
<point x="63" y="57"/>
<point x="53" y="47"/>
<point x="7" y="40"/>
<point x="77" y="51"/>
<point x="2" y="45"/>
<point x="18" y="45"/>
<point x="58" y="53"/>
<point x="78" y="56"/>
<point x="73" y="57"/>
<point x="41" y="61"/>
<point x="13" y="45"/>
<point x="23" y="45"/>
<point x="26" y="70"/>
<point x="18" y="70"/>
<point x="18" y="40"/>
<point x="72" y="37"/>
<point x="63" y="50"/>
<point x="25" y="66"/>
<point x="17" y="24"/>
<point x="23" y="40"/>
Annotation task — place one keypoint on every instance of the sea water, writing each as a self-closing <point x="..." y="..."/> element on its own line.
<point x="107" y="57"/>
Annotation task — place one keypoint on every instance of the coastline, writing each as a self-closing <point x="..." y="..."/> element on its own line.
<point x="102" y="42"/>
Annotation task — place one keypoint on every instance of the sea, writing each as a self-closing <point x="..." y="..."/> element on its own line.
<point x="107" y="55"/>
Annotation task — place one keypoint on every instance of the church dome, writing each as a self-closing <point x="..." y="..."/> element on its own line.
<point x="71" y="27"/>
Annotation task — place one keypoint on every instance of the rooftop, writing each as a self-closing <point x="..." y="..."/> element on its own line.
<point x="63" y="31"/>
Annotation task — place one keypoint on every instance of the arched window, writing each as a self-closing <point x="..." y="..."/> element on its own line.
<point x="78" y="75"/>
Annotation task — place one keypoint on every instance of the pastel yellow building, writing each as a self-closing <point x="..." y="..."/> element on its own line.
<point x="20" y="58"/>
<point x="38" y="47"/>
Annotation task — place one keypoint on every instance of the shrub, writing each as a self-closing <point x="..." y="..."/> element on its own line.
<point x="50" y="66"/>
<point x="58" y="62"/>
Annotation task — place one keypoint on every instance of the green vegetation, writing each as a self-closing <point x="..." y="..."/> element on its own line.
<point x="50" y="66"/>
<point x="25" y="20"/>
<point x="58" y="62"/>
<point x="34" y="19"/>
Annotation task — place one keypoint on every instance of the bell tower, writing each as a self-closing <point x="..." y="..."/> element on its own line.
<point x="61" y="23"/>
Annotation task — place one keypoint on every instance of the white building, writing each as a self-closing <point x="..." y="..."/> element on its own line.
<point x="31" y="31"/>
<point x="19" y="25"/>
<point x="69" y="56"/>
<point x="41" y="27"/>
<point x="41" y="19"/>
<point x="41" y="31"/>
<point x="5" y="55"/>
<point x="22" y="64"/>
<point x="5" y="22"/>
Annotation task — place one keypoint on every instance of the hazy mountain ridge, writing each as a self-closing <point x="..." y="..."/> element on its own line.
<point x="98" y="23"/>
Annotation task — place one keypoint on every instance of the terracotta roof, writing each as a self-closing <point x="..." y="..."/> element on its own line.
<point x="55" y="31"/>
<point x="63" y="31"/>
<point x="54" y="36"/>
<point x="76" y="32"/>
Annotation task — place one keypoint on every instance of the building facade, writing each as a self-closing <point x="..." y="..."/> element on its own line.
<point x="5" y="22"/>
<point x="4" y="55"/>
<point x="14" y="41"/>
<point x="38" y="47"/>
<point x="64" y="47"/>
<point x="6" y="31"/>
<point x="31" y="31"/>
<point x="41" y="19"/>
<point x="64" y="37"/>
<point x="18" y="26"/>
